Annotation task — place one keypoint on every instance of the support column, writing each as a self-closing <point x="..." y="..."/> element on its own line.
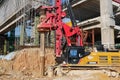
<point x="22" y="34"/>
<point x="12" y="40"/>
<point x="107" y="23"/>
<point x="5" y="46"/>
<point x="35" y="32"/>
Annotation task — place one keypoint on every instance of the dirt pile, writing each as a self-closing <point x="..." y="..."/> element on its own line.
<point x="28" y="61"/>
<point x="5" y="66"/>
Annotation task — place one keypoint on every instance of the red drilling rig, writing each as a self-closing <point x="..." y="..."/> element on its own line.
<point x="72" y="46"/>
<point x="69" y="42"/>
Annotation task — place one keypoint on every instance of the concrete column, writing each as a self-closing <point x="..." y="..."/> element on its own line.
<point x="5" y="46"/>
<point x="12" y="40"/>
<point x="22" y="34"/>
<point x="36" y="33"/>
<point x="107" y="23"/>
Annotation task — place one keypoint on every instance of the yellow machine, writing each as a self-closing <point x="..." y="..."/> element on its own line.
<point x="100" y="59"/>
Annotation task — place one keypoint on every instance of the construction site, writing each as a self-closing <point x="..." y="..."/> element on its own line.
<point x="59" y="39"/>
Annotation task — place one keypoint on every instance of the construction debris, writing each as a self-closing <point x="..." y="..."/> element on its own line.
<point x="27" y="62"/>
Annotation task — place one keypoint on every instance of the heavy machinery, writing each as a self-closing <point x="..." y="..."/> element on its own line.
<point x="69" y="45"/>
<point x="68" y="39"/>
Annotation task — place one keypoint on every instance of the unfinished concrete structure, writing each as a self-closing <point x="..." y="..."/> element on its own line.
<point x="100" y="16"/>
<point x="16" y="13"/>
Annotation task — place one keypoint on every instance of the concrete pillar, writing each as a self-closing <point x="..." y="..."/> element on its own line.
<point x="22" y="34"/>
<point x="107" y="23"/>
<point x="5" y="46"/>
<point x="35" y="32"/>
<point x="12" y="40"/>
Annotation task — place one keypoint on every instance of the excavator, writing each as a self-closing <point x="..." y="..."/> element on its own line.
<point x="69" y="46"/>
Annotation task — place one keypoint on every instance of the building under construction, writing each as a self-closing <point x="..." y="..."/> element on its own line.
<point x="94" y="16"/>
<point x="98" y="21"/>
